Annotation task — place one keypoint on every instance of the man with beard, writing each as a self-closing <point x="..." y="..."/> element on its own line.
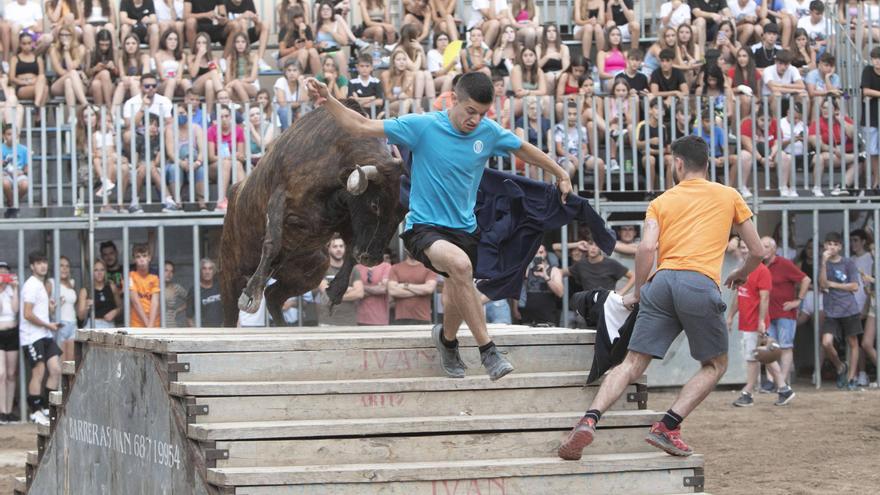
<point x="345" y="313"/>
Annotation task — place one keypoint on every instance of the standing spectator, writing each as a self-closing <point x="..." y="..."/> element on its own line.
<point x="870" y="86"/>
<point x="205" y="16"/>
<point x="373" y="308"/>
<point x="67" y="297"/>
<point x="203" y="69"/>
<point x="589" y="18"/>
<point x="242" y="69"/>
<point x="144" y="289"/>
<point x="68" y="57"/>
<point x="37" y="338"/>
<point x="596" y="271"/>
<point x="790" y="288"/>
<point x="839" y="279"/>
<point x="15" y="171"/>
<point x="139" y="17"/>
<point x="132" y="65"/>
<point x="26" y="16"/>
<point x="674" y="14"/>
<point x="621" y="14"/>
<point x="290" y="93"/>
<point x="102" y="69"/>
<point x="816" y="26"/>
<point x="765" y="52"/>
<point x="8" y="341"/>
<point x="412" y="286"/>
<point x="344" y="313"/>
<point x="243" y="18"/>
<point x="27" y="72"/>
<point x="175" y="299"/>
<point x="298" y="43"/>
<point x="543" y="291"/>
<point x="490" y="16"/>
<point x="377" y="22"/>
<point x="752" y="301"/>
<point x="105" y="298"/>
<point x="171" y="65"/>
<point x="708" y="15"/>
<point x="110" y="257"/>
<point x="224" y="157"/>
<point x="209" y="300"/>
<point x="860" y="242"/>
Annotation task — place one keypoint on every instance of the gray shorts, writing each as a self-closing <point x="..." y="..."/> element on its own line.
<point x="676" y="300"/>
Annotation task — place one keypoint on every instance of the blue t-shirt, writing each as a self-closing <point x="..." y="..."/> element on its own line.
<point x="21" y="156"/>
<point x="447" y="166"/>
<point x="716" y="149"/>
<point x="815" y="77"/>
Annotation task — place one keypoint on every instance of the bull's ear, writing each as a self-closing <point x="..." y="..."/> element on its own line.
<point x="398" y="168"/>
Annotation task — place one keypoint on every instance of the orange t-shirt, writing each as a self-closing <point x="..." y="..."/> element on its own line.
<point x="145" y="287"/>
<point x="695" y="218"/>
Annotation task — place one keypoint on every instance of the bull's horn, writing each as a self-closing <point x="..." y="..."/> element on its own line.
<point x="360" y="177"/>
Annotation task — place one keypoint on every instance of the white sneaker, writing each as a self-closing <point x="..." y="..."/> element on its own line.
<point x="263" y="66"/>
<point x="40" y="418"/>
<point x="613" y="165"/>
<point x="837" y="191"/>
<point x="817" y="192"/>
<point x="862" y="380"/>
<point x="744" y="191"/>
<point x="792" y="193"/>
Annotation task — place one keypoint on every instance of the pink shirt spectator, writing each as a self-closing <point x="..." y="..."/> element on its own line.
<point x="226" y="150"/>
<point x="373" y="309"/>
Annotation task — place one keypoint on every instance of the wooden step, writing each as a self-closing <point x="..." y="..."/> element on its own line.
<point x="645" y="473"/>
<point x="20" y="487"/>
<point x="526" y="393"/>
<point x="410" y="425"/>
<point x="68" y="367"/>
<point x="56" y="398"/>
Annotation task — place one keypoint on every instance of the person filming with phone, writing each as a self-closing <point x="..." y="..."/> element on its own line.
<point x="540" y="303"/>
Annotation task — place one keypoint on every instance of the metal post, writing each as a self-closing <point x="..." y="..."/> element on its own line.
<point x="56" y="271"/>
<point x="59" y="175"/>
<point x="564" y="241"/>
<point x="126" y="290"/>
<point x="22" y="386"/>
<point x="44" y="166"/>
<point x="162" y="282"/>
<point x="817" y="370"/>
<point x="197" y="286"/>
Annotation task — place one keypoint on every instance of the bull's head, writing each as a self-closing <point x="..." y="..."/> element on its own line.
<point x="373" y="198"/>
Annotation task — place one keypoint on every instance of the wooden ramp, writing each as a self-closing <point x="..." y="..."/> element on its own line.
<point x="344" y="410"/>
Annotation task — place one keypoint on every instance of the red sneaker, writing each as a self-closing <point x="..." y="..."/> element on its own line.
<point x="668" y="440"/>
<point x="579" y="437"/>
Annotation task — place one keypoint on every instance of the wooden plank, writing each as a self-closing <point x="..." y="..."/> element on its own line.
<point x="21" y="484"/>
<point x="68" y="367"/>
<point x="473" y="469"/>
<point x="56" y="398"/>
<point x="221" y="331"/>
<point x="33" y="458"/>
<point x="44" y="431"/>
<point x="370" y="363"/>
<point x="409" y="425"/>
<point x="375" y="405"/>
<point x="383" y="385"/>
<point x="508" y="445"/>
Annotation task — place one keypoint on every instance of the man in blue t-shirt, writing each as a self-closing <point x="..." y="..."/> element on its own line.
<point x="450" y="150"/>
<point x="15" y="169"/>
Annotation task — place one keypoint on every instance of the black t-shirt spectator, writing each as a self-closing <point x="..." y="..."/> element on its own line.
<point x="212" y="310"/>
<point x="647" y="132"/>
<point x="533" y="131"/>
<point x="764" y="57"/>
<point x="360" y="89"/>
<point x="202" y="6"/>
<point x="871" y="80"/>
<point x="601" y="275"/>
<point x="713" y="6"/>
<point x="137" y="13"/>
<point x="233" y="10"/>
<point x="672" y="83"/>
<point x="639" y="82"/>
<point x="617" y="13"/>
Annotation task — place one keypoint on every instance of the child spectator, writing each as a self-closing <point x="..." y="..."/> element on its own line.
<point x="621" y="13"/>
<point x="333" y="78"/>
<point x="243" y="18"/>
<point x="27" y="72"/>
<point x="839" y="279"/>
<point x="765" y="52"/>
<point x="186" y="155"/>
<point x="290" y="93"/>
<point x="668" y="82"/>
<point x="397" y="84"/>
<point x="571" y="148"/>
<point x="377" y="22"/>
<point x="241" y="69"/>
<point x="527" y="78"/>
<point x="138" y="17"/>
<point x="298" y="43"/>
<point x="171" y="65"/>
<point x="827" y="143"/>
<point x="816" y="26"/>
<point x="804" y="54"/>
<point x="132" y="64"/>
<point x="759" y="139"/>
<point x="553" y="56"/>
<point x="203" y="69"/>
<point x="68" y="57"/>
<point x="589" y="18"/>
<point x="476" y="56"/>
<point x="15" y="172"/>
<point x="612" y="61"/>
<point x="102" y="69"/>
<point x="622" y="113"/>
<point x="366" y="89"/>
<point x="781" y="78"/>
<point x="870" y="85"/>
<point x="221" y="158"/>
<point x="144" y="289"/>
<point x="822" y="81"/>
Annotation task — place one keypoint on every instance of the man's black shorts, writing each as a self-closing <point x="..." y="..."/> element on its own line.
<point x="217" y="32"/>
<point x="9" y="340"/>
<point x="420" y="237"/>
<point x="40" y="351"/>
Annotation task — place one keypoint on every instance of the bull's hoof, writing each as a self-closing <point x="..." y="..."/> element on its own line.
<point x="248" y="304"/>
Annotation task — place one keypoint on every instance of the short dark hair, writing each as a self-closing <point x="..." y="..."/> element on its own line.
<point x="861" y="234"/>
<point x="475" y="86"/>
<point x="635" y="54"/>
<point x="693" y="151"/>
<point x="833" y="237"/>
<point x="827" y="58"/>
<point x="817" y="6"/>
<point x="784" y="56"/>
<point x="365" y="58"/>
<point x="875" y="52"/>
<point x="36" y="257"/>
<point x="169" y="262"/>
<point x="149" y="75"/>
<point x="140" y="249"/>
<point x="667" y="54"/>
<point x="107" y="244"/>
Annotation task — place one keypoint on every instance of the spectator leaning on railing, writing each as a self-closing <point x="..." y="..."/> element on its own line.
<point x="870" y="85"/>
<point x="9" y="303"/>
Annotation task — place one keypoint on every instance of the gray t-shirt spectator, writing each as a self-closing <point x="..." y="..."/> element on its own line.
<point x="601" y="275"/>
<point x="212" y="310"/>
<point x="841" y="303"/>
<point x="344" y="313"/>
<point x="865" y="264"/>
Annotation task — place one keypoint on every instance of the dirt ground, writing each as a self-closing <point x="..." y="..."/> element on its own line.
<point x="825" y="442"/>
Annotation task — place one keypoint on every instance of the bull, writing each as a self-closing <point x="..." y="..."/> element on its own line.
<point x="314" y="181"/>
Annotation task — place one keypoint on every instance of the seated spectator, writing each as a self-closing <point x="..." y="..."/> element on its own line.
<point x="344" y="313"/>
<point x="827" y="144"/>
<point x="110" y="165"/>
<point x="144" y="289"/>
<point x="759" y="139"/>
<point x="261" y="133"/>
<point x="397" y="84"/>
<point x="804" y="54"/>
<point x="290" y="93"/>
<point x="765" y="52"/>
<point x="169" y="16"/>
<point x="648" y="143"/>
<point x="443" y="15"/>
<point x="773" y="12"/>
<point x="102" y="69"/>
<point x="621" y="13"/>
<point x="816" y="26"/>
<point x="504" y="53"/>
<point x="822" y="81"/>
<point x="68" y="58"/>
<point x="527" y="79"/>
<point x="377" y="22"/>
<point x="589" y="19"/>
<point x="285" y="15"/>
<point x="138" y="17"/>
<point x="553" y="56"/>
<point x="171" y="65"/>
<point x="635" y="79"/>
<point x="298" y="43"/>
<point x="442" y="74"/>
<point x="569" y="84"/>
<point x="26" y="16"/>
<point x="711" y="87"/>
<point x="225" y="158"/>
<point x="689" y="56"/>
<point x="15" y="172"/>
<point x="612" y="61"/>
<point x="596" y="271"/>
<point x="373" y="308"/>
<point x="743" y="83"/>
<point x="242" y="69"/>
<point x="674" y="14"/>
<point x="186" y="155"/>
<point x="740" y="164"/>
<point x="793" y="130"/>
<point x="571" y="148"/>
<point x="745" y="14"/>
<point x="62" y="12"/>
<point x="105" y="299"/>
<point x="781" y="78"/>
<point x="668" y="82"/>
<point x="366" y="89"/>
<point x="206" y="17"/>
<point x="98" y="15"/>
<point x="210" y="305"/>
<point x="27" y="72"/>
<point x="194" y="102"/>
<point x="853" y="12"/>
<point x="476" y="56"/>
<point x="243" y="18"/>
<point x="423" y="85"/>
<point x="175" y="299"/>
<point x="203" y="69"/>
<point x="411" y="285"/>
<point x="136" y="108"/>
<point x="132" y="65"/>
<point x="870" y="86"/>
<point x="333" y="78"/>
<point x="593" y="111"/>
<point x="147" y="156"/>
<point x="523" y="15"/>
<point x="623" y="111"/>
<point x="667" y="39"/>
<point x="418" y="13"/>
<point x="330" y="36"/>
<point x="708" y="15"/>
<point x="725" y="42"/>
<point x="543" y="289"/>
<point x="490" y="16"/>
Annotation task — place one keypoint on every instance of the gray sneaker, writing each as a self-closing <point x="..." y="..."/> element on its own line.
<point x="784" y="397"/>
<point x="496" y="365"/>
<point x="450" y="359"/>
<point x="745" y="400"/>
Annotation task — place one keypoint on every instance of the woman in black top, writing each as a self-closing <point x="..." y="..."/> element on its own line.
<point x="106" y="300"/>
<point x="102" y="69"/>
<point x="28" y="73"/>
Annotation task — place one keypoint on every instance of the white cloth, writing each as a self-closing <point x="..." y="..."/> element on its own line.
<point x="289" y="96"/>
<point x="737" y="10"/>
<point x="27" y="15"/>
<point x="770" y="74"/>
<point x="7" y="312"/>
<point x="680" y="16"/>
<point x="257" y="319"/>
<point x="68" y="301"/>
<point x="800" y="8"/>
<point x="435" y="61"/>
<point x="34" y="292"/>
<point x="161" y="106"/>
<point x="477" y="5"/>
<point x="816" y="31"/>
<point x="615" y="315"/>
<point x="797" y="148"/>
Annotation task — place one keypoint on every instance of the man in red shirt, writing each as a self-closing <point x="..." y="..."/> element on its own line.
<point x="373" y="308"/>
<point x="790" y="286"/>
<point x="411" y="285"/>
<point x="828" y="146"/>
<point x="759" y="139"/>
<point x="752" y="301"/>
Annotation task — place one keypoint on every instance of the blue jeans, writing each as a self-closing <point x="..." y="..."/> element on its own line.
<point x="782" y="330"/>
<point x="498" y="312"/>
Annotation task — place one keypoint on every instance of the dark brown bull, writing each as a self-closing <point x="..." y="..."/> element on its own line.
<point x="314" y="180"/>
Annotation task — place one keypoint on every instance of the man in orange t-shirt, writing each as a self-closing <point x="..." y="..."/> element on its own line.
<point x="144" y="287"/>
<point x="689" y="227"/>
